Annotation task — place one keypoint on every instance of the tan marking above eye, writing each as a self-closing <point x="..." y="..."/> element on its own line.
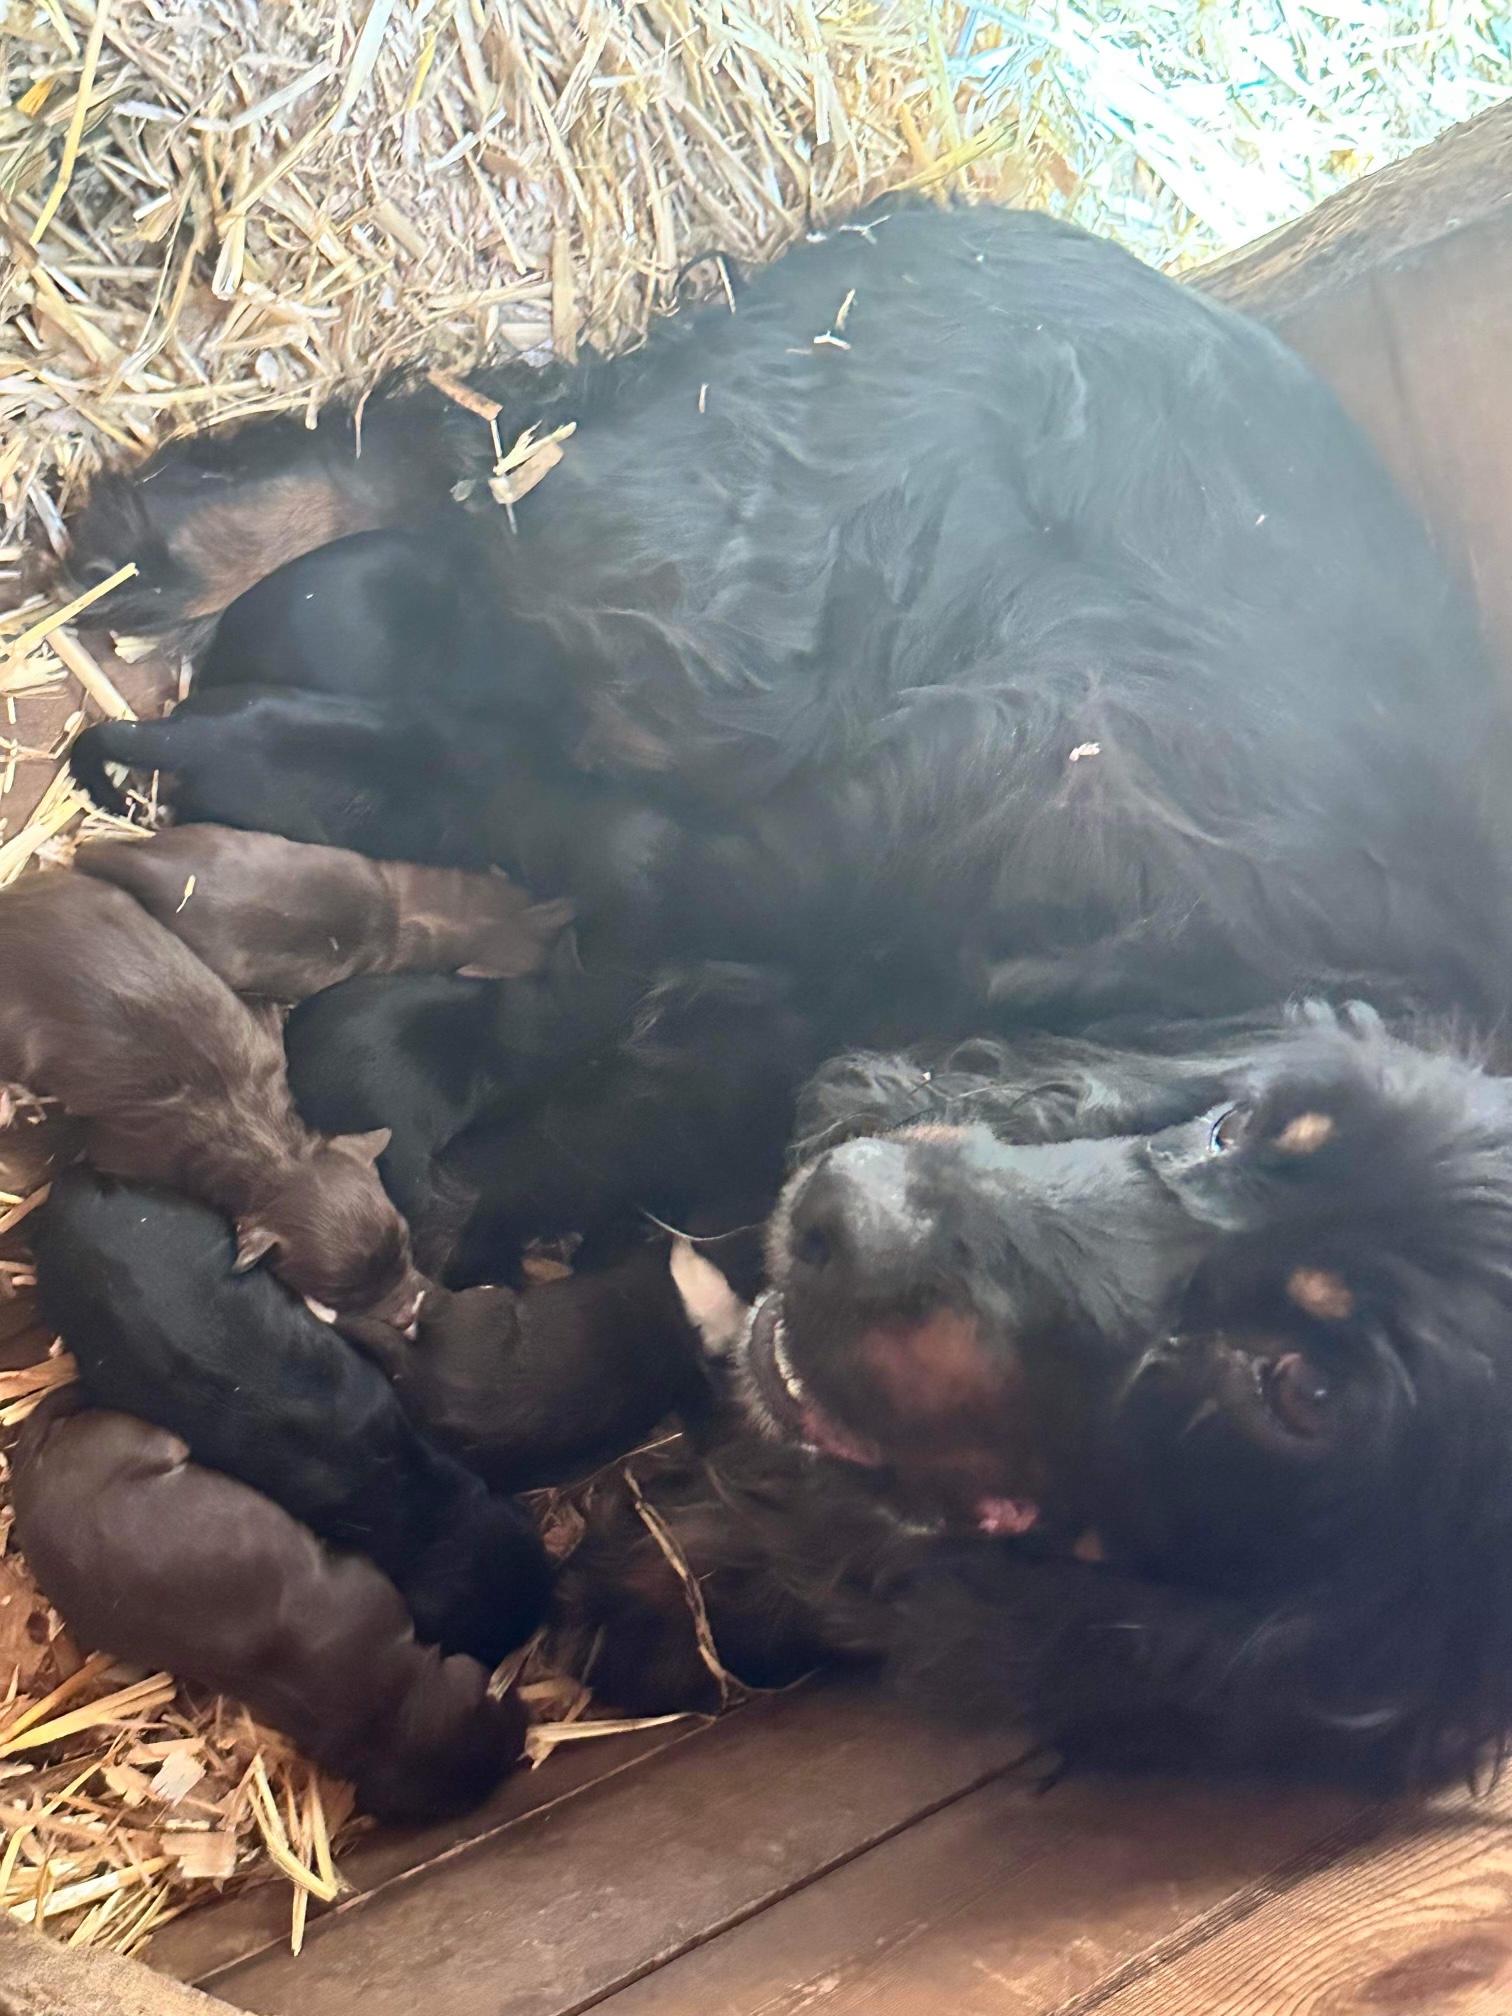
<point x="1306" y="1134"/>
<point x="1318" y="1293"/>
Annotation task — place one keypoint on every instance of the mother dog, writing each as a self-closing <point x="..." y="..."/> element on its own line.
<point x="998" y="637"/>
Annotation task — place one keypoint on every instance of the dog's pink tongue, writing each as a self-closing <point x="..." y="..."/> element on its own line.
<point x="1006" y="1515"/>
<point x="830" y="1439"/>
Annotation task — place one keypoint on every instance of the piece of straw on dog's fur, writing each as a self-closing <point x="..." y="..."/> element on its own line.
<point x="731" y="1690"/>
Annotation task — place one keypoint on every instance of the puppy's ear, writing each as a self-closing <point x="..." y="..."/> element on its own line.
<point x="363" y="1147"/>
<point x="254" y="1242"/>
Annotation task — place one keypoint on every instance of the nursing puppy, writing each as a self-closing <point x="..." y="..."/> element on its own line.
<point x="282" y="920"/>
<point x="159" y="1561"/>
<point x="315" y="767"/>
<point x="682" y="1120"/>
<point x="179" y="1083"/>
<point x="425" y="1055"/>
<point x="141" y="1287"/>
<point x="529" y="1388"/>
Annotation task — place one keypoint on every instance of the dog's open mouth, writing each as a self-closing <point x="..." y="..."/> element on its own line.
<point x="941" y="1488"/>
<point x="781" y="1395"/>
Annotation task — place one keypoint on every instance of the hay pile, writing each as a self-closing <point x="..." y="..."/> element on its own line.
<point x="213" y="208"/>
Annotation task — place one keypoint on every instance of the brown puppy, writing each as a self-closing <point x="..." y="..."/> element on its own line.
<point x="282" y="920"/>
<point x="158" y="1561"/>
<point x="181" y="1084"/>
<point x="528" y="1388"/>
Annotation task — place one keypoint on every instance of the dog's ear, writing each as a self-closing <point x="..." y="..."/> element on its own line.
<point x="363" y="1147"/>
<point x="254" y="1242"/>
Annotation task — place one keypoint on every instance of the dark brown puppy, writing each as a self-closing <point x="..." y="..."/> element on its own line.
<point x="528" y="1388"/>
<point x="156" y="1560"/>
<point x="283" y="920"/>
<point x="181" y="1084"/>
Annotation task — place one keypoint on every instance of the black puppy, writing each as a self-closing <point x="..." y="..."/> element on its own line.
<point x="436" y="1052"/>
<point x="405" y="781"/>
<point x="378" y="616"/>
<point x="684" y="1121"/>
<point x="140" y="1285"/>
<point x="309" y="766"/>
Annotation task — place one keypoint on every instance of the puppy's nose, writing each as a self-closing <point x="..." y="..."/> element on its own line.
<point x="854" y="1229"/>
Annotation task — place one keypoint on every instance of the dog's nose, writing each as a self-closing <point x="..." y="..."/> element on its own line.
<point x="854" y="1228"/>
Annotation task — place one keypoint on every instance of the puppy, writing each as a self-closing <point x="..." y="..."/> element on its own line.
<point x="430" y="1054"/>
<point x="179" y="1083"/>
<point x="529" y="1388"/>
<point x="310" y="766"/>
<point x="381" y="616"/>
<point x="142" y="1288"/>
<point x="401" y="784"/>
<point x="684" y="1119"/>
<point x="282" y="920"/>
<point x="160" y="1562"/>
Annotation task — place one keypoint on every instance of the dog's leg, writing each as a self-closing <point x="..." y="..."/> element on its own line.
<point x="207" y="517"/>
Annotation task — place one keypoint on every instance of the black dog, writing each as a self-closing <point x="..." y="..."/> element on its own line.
<point x="140" y="1285"/>
<point x="1045" y="644"/>
<point x="1162" y="1400"/>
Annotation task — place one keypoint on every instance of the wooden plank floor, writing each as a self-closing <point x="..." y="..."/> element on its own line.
<point x="821" y="1855"/>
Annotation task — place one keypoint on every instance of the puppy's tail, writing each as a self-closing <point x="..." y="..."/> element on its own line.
<point x="140" y="745"/>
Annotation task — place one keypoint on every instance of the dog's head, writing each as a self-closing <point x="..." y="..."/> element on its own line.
<point x="329" y="1230"/>
<point x="1260" y="1353"/>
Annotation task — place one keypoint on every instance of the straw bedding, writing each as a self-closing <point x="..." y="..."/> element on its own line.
<point x="213" y="208"/>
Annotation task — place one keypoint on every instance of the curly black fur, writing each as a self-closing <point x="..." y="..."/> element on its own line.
<point x="1249" y="1301"/>
<point x="1049" y="649"/>
<point x="1057" y="648"/>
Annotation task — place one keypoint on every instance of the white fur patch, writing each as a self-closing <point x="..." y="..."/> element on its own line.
<point x="713" y="1307"/>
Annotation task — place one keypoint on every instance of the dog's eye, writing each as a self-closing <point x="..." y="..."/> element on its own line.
<point x="1228" y="1129"/>
<point x="1297" y="1393"/>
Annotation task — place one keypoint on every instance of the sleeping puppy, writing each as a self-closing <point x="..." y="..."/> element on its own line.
<point x="433" y="1053"/>
<point x="179" y="1083"/>
<point x="282" y="920"/>
<point x="315" y="767"/>
<point x="683" y="1120"/>
<point x="158" y="1561"/>
<point x="387" y="617"/>
<point x="531" y="1388"/>
<point x="141" y="1286"/>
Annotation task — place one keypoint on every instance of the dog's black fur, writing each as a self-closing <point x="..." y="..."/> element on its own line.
<point x="1227" y="1330"/>
<point x="1045" y="648"/>
<point x="140" y="1285"/>
<point x="845" y="616"/>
